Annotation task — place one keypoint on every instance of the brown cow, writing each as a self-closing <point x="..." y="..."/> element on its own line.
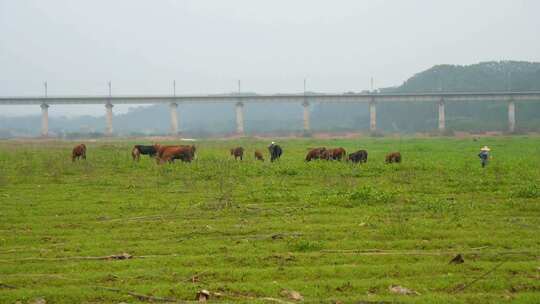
<point x="237" y="152"/>
<point x="337" y="153"/>
<point x="259" y="155"/>
<point x="78" y="152"/>
<point x="159" y="148"/>
<point x="170" y="153"/>
<point x="315" y="153"/>
<point x="192" y="150"/>
<point x="326" y="154"/>
<point x="394" y="157"/>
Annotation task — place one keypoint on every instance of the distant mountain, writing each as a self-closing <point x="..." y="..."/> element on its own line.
<point x="481" y="77"/>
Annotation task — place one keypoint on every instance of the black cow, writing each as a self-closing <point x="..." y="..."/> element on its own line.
<point x="275" y="152"/>
<point x="359" y="156"/>
<point x="144" y="150"/>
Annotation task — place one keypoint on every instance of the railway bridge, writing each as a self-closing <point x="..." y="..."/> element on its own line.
<point x="305" y="100"/>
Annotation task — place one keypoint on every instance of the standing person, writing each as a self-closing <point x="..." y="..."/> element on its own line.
<point x="275" y="151"/>
<point x="484" y="155"/>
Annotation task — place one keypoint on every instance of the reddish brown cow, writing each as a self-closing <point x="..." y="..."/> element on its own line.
<point x="326" y="154"/>
<point x="159" y="149"/>
<point x="394" y="157"/>
<point x="259" y="155"/>
<point x="170" y="153"/>
<point x="78" y="152"/>
<point x="315" y="153"/>
<point x="337" y="153"/>
<point x="237" y="152"/>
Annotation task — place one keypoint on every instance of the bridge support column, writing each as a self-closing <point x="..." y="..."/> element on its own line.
<point x="511" y="116"/>
<point x="174" y="118"/>
<point x="109" y="119"/>
<point x="372" y="115"/>
<point x="240" y="118"/>
<point x="44" y="120"/>
<point x="442" y="119"/>
<point x="307" y="125"/>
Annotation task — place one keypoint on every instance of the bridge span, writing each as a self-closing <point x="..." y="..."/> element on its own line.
<point x="441" y="98"/>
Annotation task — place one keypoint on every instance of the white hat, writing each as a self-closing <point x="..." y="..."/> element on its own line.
<point x="273" y="143"/>
<point x="485" y="148"/>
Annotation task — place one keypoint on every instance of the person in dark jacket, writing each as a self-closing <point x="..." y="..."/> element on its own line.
<point x="275" y="151"/>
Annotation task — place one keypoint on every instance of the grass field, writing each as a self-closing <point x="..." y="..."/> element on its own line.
<point x="332" y="231"/>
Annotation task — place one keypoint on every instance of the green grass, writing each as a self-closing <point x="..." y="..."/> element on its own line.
<point x="329" y="230"/>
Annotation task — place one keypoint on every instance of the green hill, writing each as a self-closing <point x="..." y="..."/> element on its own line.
<point x="466" y="116"/>
<point x="482" y="77"/>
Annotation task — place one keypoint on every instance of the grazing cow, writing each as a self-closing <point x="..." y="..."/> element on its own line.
<point x="394" y="157"/>
<point x="78" y="152"/>
<point x="187" y="154"/>
<point x="237" y="152"/>
<point x="170" y="153"/>
<point x="337" y="154"/>
<point x="192" y="148"/>
<point x="317" y="153"/>
<point x="160" y="149"/>
<point x="259" y="155"/>
<point x="144" y="150"/>
<point x="359" y="156"/>
<point x="275" y="151"/>
<point x="326" y="154"/>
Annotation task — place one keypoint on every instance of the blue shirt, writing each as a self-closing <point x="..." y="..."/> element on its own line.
<point x="484" y="155"/>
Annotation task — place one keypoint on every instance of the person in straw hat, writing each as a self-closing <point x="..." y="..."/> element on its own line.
<point x="484" y="155"/>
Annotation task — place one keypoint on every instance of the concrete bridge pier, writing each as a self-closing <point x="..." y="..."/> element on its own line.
<point x="240" y="118"/>
<point x="307" y="126"/>
<point x="511" y="116"/>
<point x="372" y="115"/>
<point x="442" y="119"/>
<point x="109" y="119"/>
<point x="44" y="120"/>
<point x="173" y="106"/>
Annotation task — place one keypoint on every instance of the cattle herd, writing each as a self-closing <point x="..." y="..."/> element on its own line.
<point x="186" y="153"/>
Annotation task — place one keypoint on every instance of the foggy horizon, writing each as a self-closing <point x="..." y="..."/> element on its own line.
<point x="207" y="46"/>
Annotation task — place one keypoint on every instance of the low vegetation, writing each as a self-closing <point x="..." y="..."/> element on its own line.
<point x="112" y="230"/>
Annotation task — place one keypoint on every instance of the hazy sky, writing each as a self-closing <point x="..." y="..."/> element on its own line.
<point x="141" y="46"/>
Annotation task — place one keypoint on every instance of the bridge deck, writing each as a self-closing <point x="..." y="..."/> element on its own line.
<point x="276" y="98"/>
